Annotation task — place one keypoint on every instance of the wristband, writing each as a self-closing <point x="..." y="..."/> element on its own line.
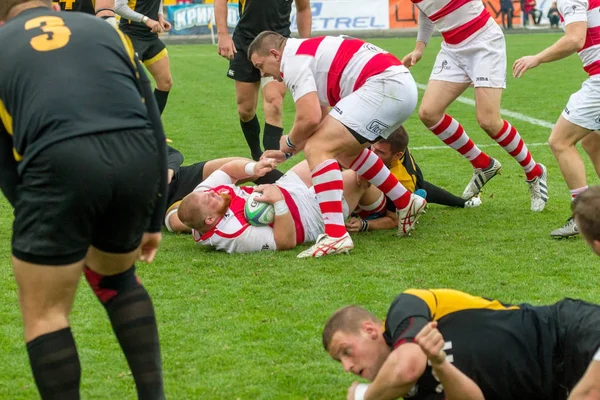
<point x="288" y="155"/>
<point x="359" y="392"/>
<point x="281" y="208"/>
<point x="289" y="143"/>
<point x="365" y="225"/>
<point x="104" y="9"/>
<point x="249" y="168"/>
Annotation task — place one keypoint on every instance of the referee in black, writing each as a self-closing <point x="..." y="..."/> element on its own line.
<point x="257" y="16"/>
<point x="85" y="171"/>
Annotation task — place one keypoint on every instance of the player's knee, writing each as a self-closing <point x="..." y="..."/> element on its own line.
<point x="246" y="112"/>
<point x="558" y="142"/>
<point x="107" y="287"/>
<point x="429" y="116"/>
<point x="491" y="124"/>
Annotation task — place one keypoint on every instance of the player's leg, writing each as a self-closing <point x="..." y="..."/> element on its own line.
<point x="110" y="262"/>
<point x="438" y="195"/>
<point x="591" y="145"/>
<point x="159" y="66"/>
<point x="355" y="189"/>
<point x="273" y="93"/>
<point x="247" y="87"/>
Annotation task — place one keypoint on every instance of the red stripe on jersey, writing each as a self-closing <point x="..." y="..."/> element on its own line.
<point x="592" y="37"/>
<point x="345" y="52"/>
<point x="452" y="5"/>
<point x="232" y="235"/>
<point x="309" y="46"/>
<point x="463" y="32"/>
<point x="374" y="66"/>
<point x="593" y="68"/>
<point x="295" y="215"/>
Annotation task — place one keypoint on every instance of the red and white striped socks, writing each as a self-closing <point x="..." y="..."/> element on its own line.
<point x="577" y="192"/>
<point x="371" y="168"/>
<point x="511" y="141"/>
<point x="452" y="133"/>
<point x="329" y="187"/>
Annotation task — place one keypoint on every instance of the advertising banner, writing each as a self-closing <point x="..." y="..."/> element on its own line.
<point x="346" y="15"/>
<point x="197" y="19"/>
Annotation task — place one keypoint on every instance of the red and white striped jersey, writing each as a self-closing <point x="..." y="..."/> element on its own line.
<point x="332" y="66"/>
<point x="233" y="233"/>
<point x="456" y="20"/>
<point x="585" y="11"/>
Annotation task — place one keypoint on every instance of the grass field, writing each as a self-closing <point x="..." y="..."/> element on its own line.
<point x="248" y="327"/>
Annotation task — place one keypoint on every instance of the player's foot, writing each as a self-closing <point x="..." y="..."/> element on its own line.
<point x="481" y="177"/>
<point x="473" y="202"/>
<point x="327" y="245"/>
<point x="408" y="216"/>
<point x="566" y="231"/>
<point x="538" y="187"/>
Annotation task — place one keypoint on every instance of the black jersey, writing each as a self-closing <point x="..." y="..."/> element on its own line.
<point x="86" y="6"/>
<point x="263" y="15"/>
<point x="58" y="80"/>
<point x="506" y="350"/>
<point x="149" y="8"/>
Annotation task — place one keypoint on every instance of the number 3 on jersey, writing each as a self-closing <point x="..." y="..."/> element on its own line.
<point x="55" y="34"/>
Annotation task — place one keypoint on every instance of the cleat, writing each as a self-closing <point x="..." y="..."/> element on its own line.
<point x="409" y="215"/>
<point x="481" y="177"/>
<point x="327" y="245"/>
<point x="566" y="231"/>
<point x="538" y="187"/>
<point x="473" y="202"/>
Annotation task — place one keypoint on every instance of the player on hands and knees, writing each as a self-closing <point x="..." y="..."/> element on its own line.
<point x="581" y="116"/>
<point x="473" y="53"/>
<point x="371" y="93"/>
<point x="99" y="162"/>
<point x="142" y="24"/>
<point x="257" y="16"/>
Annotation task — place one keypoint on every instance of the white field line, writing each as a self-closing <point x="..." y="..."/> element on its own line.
<point x="508" y="113"/>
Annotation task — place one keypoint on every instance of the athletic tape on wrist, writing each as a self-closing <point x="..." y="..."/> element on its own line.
<point x="249" y="168"/>
<point x="361" y="389"/>
<point x="281" y="208"/>
<point x="365" y="225"/>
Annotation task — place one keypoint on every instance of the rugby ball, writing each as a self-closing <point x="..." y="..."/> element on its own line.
<point x="257" y="213"/>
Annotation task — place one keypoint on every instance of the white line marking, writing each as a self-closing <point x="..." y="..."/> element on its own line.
<point x="512" y="114"/>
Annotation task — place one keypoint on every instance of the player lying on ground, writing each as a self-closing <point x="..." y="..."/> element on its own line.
<point x="381" y="214"/>
<point x="581" y="116"/>
<point x="215" y="210"/>
<point x="509" y="351"/>
<point x="586" y="213"/>
<point x="183" y="180"/>
<point x="371" y="94"/>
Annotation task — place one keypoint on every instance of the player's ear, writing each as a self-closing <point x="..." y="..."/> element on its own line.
<point x="370" y="329"/>
<point x="275" y="54"/>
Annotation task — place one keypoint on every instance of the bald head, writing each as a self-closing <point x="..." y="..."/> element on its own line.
<point x="264" y="42"/>
<point x="190" y="211"/>
<point x="348" y="320"/>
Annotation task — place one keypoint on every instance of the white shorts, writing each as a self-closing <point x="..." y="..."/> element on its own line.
<point x="583" y="108"/>
<point x="380" y="106"/>
<point x="308" y="205"/>
<point x="480" y="60"/>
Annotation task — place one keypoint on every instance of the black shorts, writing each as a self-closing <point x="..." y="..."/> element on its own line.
<point x="148" y="49"/>
<point x="97" y="190"/>
<point x="240" y="68"/>
<point x="578" y="332"/>
<point x="184" y="182"/>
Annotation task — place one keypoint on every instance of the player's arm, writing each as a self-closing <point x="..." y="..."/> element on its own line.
<point x="303" y="18"/>
<point x="306" y="121"/>
<point x="225" y="45"/>
<point x="105" y="9"/>
<point x="389" y="221"/>
<point x="242" y="169"/>
<point x="122" y="8"/>
<point x="174" y="161"/>
<point x="457" y="386"/>
<point x="425" y="30"/>
<point x="8" y="167"/>
<point x="284" y="229"/>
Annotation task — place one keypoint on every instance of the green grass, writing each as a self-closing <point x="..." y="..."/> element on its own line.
<point x="248" y="327"/>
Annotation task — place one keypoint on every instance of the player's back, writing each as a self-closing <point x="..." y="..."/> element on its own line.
<point x="263" y="15"/>
<point x="65" y="75"/>
<point x="85" y="6"/>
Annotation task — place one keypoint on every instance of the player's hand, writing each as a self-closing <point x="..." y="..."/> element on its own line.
<point x="226" y="46"/>
<point x="263" y="166"/>
<point x="432" y="343"/>
<point x="165" y="25"/>
<point x="412" y="58"/>
<point x="170" y="175"/>
<point x="523" y="64"/>
<point x="353" y="225"/>
<point x="276" y="155"/>
<point x="270" y="194"/>
<point x="154" y="26"/>
<point x="149" y="246"/>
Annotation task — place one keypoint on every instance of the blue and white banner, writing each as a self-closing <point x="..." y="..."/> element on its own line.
<point x="197" y="19"/>
<point x="347" y="15"/>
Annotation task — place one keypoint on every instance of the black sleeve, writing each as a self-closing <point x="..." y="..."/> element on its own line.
<point x="174" y="159"/>
<point x="405" y="319"/>
<point x="8" y="167"/>
<point x="159" y="134"/>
